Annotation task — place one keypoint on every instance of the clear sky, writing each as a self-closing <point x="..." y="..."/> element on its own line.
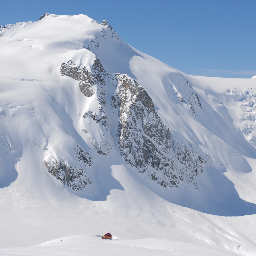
<point x="199" y="37"/>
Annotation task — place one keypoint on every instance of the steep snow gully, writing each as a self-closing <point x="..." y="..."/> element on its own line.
<point x="97" y="135"/>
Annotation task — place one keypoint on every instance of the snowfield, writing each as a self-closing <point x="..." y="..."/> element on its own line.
<point x="98" y="137"/>
<point x="91" y="245"/>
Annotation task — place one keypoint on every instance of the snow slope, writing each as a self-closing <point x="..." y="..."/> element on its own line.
<point x="89" y="245"/>
<point x="98" y="137"/>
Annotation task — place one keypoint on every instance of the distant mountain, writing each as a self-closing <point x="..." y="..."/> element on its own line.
<point x="79" y="106"/>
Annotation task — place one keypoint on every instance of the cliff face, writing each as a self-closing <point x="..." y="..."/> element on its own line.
<point x="147" y="144"/>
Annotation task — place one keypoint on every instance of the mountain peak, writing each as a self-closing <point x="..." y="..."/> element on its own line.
<point x="104" y="23"/>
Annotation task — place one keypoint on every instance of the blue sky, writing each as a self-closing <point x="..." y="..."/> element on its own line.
<point x="200" y="37"/>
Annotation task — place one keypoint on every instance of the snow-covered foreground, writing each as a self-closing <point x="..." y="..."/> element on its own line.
<point x="98" y="137"/>
<point x="94" y="246"/>
<point x="135" y="215"/>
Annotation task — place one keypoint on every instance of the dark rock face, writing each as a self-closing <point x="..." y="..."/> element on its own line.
<point x="44" y="15"/>
<point x="83" y="156"/>
<point x="147" y="144"/>
<point x="104" y="23"/>
<point x="68" y="175"/>
<point x="86" y="78"/>
<point x="82" y="75"/>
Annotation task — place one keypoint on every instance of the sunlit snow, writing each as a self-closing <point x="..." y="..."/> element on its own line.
<point x="55" y="122"/>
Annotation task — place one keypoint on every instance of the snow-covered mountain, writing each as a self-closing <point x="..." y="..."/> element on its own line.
<point x="96" y="135"/>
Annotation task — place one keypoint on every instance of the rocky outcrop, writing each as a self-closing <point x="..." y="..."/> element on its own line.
<point x="97" y="118"/>
<point x="147" y="144"/>
<point x="4" y="29"/>
<point x="44" y="15"/>
<point x="80" y="74"/>
<point x="83" y="156"/>
<point x="96" y="78"/>
<point x="68" y="175"/>
<point x="87" y="79"/>
<point x="107" y="30"/>
<point x="144" y="141"/>
<point x="185" y="93"/>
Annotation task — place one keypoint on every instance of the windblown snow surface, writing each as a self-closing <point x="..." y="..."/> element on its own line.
<point x="98" y="137"/>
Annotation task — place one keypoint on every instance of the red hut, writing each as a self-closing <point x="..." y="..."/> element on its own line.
<point x="107" y="236"/>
